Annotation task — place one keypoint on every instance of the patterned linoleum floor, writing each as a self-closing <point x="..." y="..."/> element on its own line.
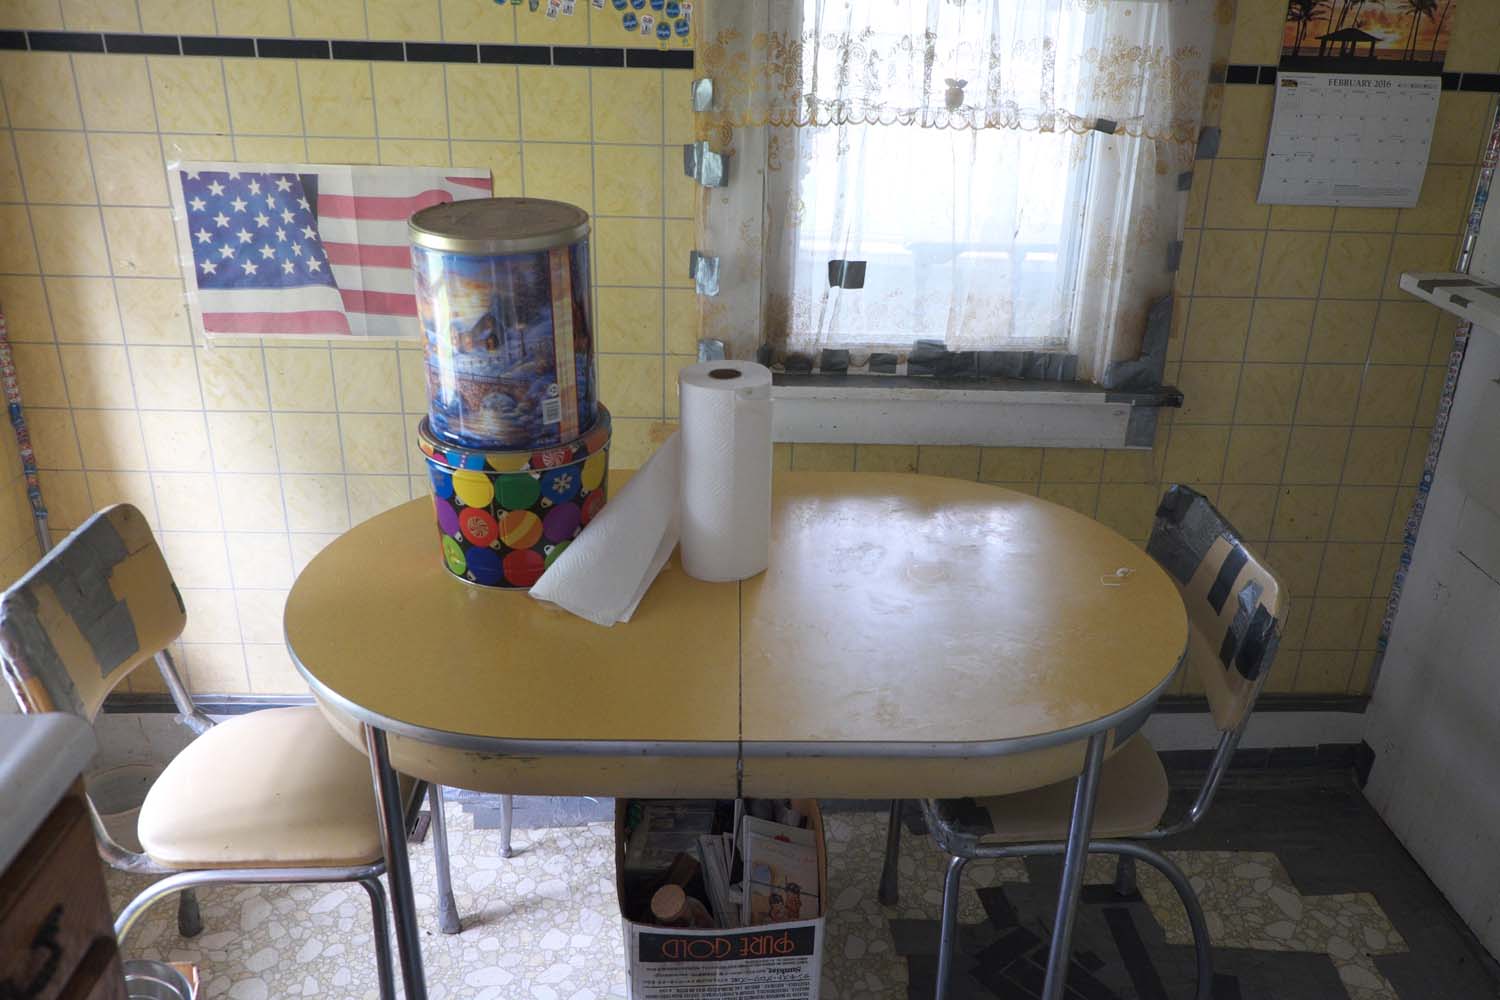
<point x="1307" y="895"/>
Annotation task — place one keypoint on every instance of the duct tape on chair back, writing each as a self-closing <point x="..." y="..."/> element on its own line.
<point x="97" y="606"/>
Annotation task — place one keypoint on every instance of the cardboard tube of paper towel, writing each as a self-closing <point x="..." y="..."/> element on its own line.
<point x="725" y="413"/>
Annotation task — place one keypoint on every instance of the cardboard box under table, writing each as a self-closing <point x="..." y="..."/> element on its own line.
<point x="780" y="961"/>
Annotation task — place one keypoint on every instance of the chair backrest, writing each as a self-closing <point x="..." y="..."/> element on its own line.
<point x="1236" y="607"/>
<point x="100" y="604"/>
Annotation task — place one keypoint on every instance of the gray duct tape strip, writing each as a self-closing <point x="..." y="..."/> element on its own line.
<point x="79" y="576"/>
<point x="1140" y="427"/>
<point x="1208" y="142"/>
<point x="1106" y="125"/>
<point x="1174" y="256"/>
<point x="704" y="270"/>
<point x="704" y="165"/>
<point x="1431" y="284"/>
<point x="1187" y="527"/>
<point x="1460" y="301"/>
<point x="1185" y="181"/>
<point x="1493" y="291"/>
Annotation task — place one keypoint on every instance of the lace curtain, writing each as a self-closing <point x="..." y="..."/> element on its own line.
<point x="1008" y="170"/>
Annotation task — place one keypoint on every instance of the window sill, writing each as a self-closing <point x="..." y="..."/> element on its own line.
<point x="891" y="409"/>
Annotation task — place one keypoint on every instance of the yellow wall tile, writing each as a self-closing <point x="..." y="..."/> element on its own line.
<point x="308" y="442"/>
<point x="673" y="366"/>
<point x="885" y="458"/>
<point x="366" y="382"/>
<point x="166" y="378"/>
<point x="682" y="320"/>
<point x="252" y="17"/>
<point x="1249" y="509"/>
<point x="263" y="96"/>
<point x="631" y="385"/>
<point x="1128" y="507"/>
<point x="1217" y="329"/>
<point x="1447" y="192"/>
<point x="176" y="442"/>
<point x="1341" y="331"/>
<point x="1375" y="455"/>
<point x="1303" y="513"/>
<point x="10" y="175"/>
<point x="141" y="241"/>
<point x="210" y="616"/>
<point x="503" y="160"/>
<point x="1349" y="570"/>
<point x="1458" y="135"/>
<point x="1010" y="465"/>
<point x="1228" y="262"/>
<point x="1072" y="465"/>
<point x="1324" y="670"/>
<point x="371" y="495"/>
<point x="83" y="310"/>
<point x="53" y="439"/>
<point x="628" y="180"/>
<point x="16" y="255"/>
<point x="178" y="146"/>
<point x="477" y="21"/>
<point x="39" y="90"/>
<point x="946" y="460"/>
<point x="414" y="152"/>
<point x="187" y="500"/>
<point x="1404" y="333"/>
<point x="35" y="14"/>
<point x="129" y="168"/>
<point x="628" y="251"/>
<point x="152" y="311"/>
<point x="190" y="94"/>
<point x="316" y="503"/>
<point x="483" y="102"/>
<point x="1196" y="454"/>
<point x="1245" y="121"/>
<point x="409" y="100"/>
<point x="627" y="105"/>
<point x="1471" y="47"/>
<point x="213" y="667"/>
<point x="406" y="20"/>
<point x="1362" y="513"/>
<point x="68" y="503"/>
<point x="1231" y="196"/>
<point x="342" y="150"/>
<point x="1255" y="454"/>
<point x="1417" y="253"/>
<point x="562" y="171"/>
<point x="299" y="378"/>
<point x="337" y="97"/>
<point x="1365" y="220"/>
<point x="1389" y="395"/>
<point x="1268" y="394"/>
<point x="1257" y="32"/>
<point x="1329" y="394"/>
<point x="373" y="442"/>
<point x="134" y="488"/>
<point x="1209" y="390"/>
<point x="40" y="371"/>
<point x="629" y="320"/>
<point x="554" y="104"/>
<point x="115" y="93"/>
<point x="1315" y="454"/>
<point x="1293" y="265"/>
<point x="1080" y="497"/>
<point x="169" y="17"/>
<point x="25" y="303"/>
<point x="242" y="442"/>
<point x="328" y="18"/>
<point x="1309" y="217"/>
<point x="69" y="240"/>
<point x="823" y="457"/>
<point x="233" y="378"/>
<point x="257" y="559"/>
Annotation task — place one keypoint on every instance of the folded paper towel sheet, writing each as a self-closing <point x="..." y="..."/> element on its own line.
<point x="607" y="569"/>
<point x="708" y="485"/>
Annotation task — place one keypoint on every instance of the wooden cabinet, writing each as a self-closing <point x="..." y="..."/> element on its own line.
<point x="56" y="936"/>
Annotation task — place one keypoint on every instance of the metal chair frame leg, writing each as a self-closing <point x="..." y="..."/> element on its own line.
<point x="397" y="863"/>
<point x="448" y="920"/>
<point x="1202" y="944"/>
<point x="384" y="970"/>
<point x="890" y="876"/>
<point x="189" y="917"/>
<point x="362" y="874"/>
<point x="507" y="806"/>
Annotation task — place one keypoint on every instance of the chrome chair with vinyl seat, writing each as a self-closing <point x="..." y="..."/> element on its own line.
<point x="271" y="796"/>
<point x="1236" y="612"/>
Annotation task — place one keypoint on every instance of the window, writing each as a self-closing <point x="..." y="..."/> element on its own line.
<point x="1008" y="172"/>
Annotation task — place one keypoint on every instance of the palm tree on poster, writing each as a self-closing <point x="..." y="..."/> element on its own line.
<point x="1417" y="9"/>
<point x="1437" y="32"/>
<point x="1302" y="13"/>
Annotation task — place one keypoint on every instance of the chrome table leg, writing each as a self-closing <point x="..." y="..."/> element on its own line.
<point x="1079" y="829"/>
<point x="448" y="921"/>
<point x="507" y="803"/>
<point x="397" y="864"/>
<point x="890" y="888"/>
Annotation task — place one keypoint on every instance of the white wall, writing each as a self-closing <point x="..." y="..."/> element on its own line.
<point x="1434" y="722"/>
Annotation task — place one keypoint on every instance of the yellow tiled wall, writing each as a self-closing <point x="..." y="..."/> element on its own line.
<point x="1311" y="380"/>
<point x="250" y="456"/>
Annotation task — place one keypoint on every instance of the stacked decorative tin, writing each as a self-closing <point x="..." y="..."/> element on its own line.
<point x="516" y="442"/>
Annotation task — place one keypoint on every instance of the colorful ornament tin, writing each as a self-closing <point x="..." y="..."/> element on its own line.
<point x="503" y="297"/>
<point x="503" y="517"/>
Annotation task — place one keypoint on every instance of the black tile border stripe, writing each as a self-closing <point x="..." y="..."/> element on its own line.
<point x="458" y="53"/>
<point x="143" y="45"/>
<point x="1243" y="73"/>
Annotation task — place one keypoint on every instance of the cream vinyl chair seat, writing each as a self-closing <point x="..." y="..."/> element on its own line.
<point x="274" y="788"/>
<point x="1132" y="800"/>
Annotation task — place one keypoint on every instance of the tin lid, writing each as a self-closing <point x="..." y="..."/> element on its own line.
<point x="548" y="457"/>
<point x="499" y="225"/>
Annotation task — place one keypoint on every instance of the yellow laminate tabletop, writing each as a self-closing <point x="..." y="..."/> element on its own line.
<point x="898" y="609"/>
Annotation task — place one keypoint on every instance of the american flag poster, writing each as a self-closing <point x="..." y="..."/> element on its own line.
<point x="305" y="251"/>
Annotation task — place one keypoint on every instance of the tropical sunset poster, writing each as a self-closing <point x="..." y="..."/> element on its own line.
<point x="1408" y="37"/>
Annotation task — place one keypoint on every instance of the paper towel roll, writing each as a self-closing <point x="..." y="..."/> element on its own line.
<point x="725" y="413"/>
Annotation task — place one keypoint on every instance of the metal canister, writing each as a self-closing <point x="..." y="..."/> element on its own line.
<point x="503" y="297"/>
